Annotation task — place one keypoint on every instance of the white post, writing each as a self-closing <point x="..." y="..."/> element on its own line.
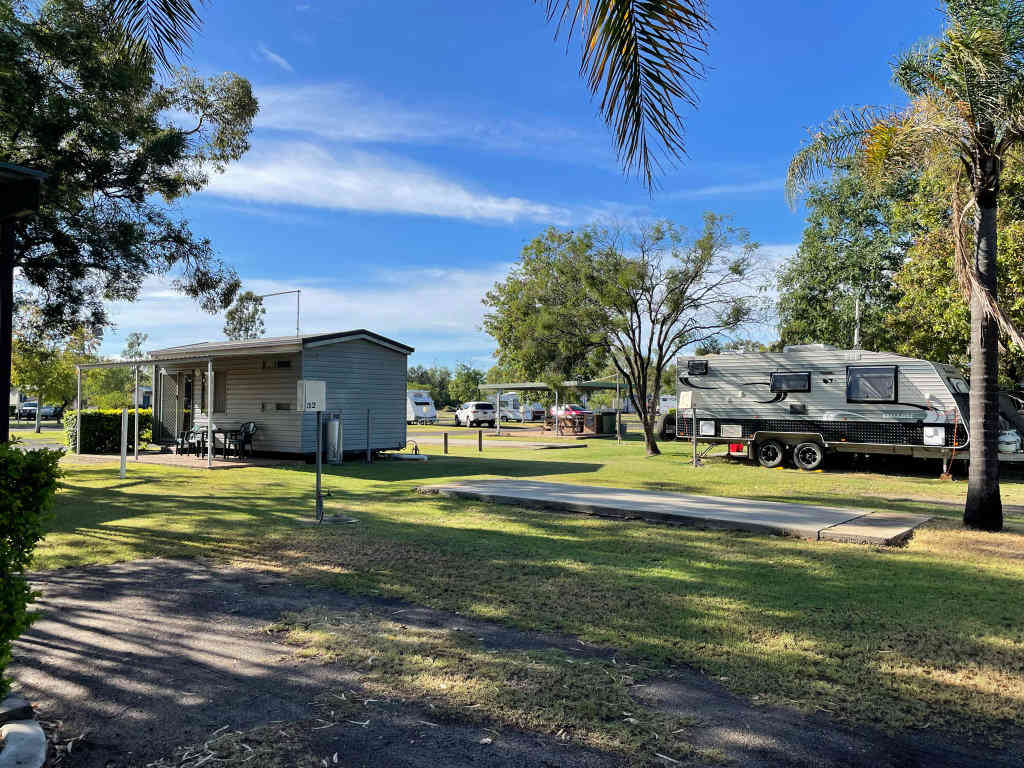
<point x="78" y="412"/>
<point x="124" y="441"/>
<point x="298" y="299"/>
<point x="856" y="322"/>
<point x="695" y="461"/>
<point x="209" y="413"/>
<point x="497" y="421"/>
<point x="39" y="411"/>
<point x="136" y="413"/>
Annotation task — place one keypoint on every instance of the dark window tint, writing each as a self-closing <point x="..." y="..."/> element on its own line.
<point x="791" y="382"/>
<point x="484" y="407"/>
<point x="871" y="384"/>
<point x="696" y="367"/>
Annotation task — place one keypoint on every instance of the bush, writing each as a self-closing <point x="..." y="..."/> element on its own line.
<point x="28" y="481"/>
<point x="101" y="429"/>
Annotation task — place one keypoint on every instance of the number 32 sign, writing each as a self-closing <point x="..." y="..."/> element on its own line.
<point x="312" y="395"/>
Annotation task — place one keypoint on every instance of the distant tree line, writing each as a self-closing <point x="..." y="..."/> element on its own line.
<point x="447" y="388"/>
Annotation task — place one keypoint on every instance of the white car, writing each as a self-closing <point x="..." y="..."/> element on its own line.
<point x="475" y="413"/>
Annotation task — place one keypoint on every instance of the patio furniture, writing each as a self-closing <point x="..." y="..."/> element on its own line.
<point x="191" y="441"/>
<point x="239" y="440"/>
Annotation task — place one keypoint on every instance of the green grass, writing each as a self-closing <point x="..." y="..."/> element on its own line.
<point x="48" y="434"/>
<point x="929" y="635"/>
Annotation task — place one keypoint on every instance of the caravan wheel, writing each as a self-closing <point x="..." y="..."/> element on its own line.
<point x="808" y="456"/>
<point x="770" y="454"/>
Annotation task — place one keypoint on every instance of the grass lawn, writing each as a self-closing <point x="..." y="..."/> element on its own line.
<point x="49" y="434"/>
<point x="929" y="635"/>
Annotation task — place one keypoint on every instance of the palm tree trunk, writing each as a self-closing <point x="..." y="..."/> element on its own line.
<point x="984" y="507"/>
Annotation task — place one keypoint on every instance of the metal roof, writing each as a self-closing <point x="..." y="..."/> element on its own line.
<point x="540" y="386"/>
<point x="275" y="344"/>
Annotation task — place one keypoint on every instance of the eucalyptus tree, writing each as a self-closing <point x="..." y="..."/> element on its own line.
<point x="244" y="319"/>
<point x="642" y="56"/>
<point x="630" y="296"/>
<point x="966" y="111"/>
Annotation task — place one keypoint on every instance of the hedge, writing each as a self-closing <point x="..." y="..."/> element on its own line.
<point x="101" y="429"/>
<point x="28" y="482"/>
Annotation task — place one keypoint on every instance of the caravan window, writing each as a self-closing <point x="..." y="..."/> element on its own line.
<point x="791" y="382"/>
<point x="871" y="384"/>
<point x="959" y="386"/>
<point x="696" y="367"/>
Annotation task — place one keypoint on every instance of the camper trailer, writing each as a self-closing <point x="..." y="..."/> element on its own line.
<point x="419" y="407"/>
<point x="813" y="400"/>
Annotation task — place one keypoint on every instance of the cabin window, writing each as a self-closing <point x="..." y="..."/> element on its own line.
<point x="696" y="367"/>
<point x="791" y="382"/>
<point x="220" y="393"/>
<point x="282" y="406"/>
<point x="871" y="384"/>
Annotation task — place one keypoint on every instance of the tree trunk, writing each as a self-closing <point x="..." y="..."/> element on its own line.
<point x="984" y="507"/>
<point x="6" y="321"/>
<point x="650" y="439"/>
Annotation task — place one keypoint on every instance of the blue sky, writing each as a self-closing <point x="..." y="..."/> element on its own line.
<point x="406" y="151"/>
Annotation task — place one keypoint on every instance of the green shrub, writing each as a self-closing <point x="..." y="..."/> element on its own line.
<point x="101" y="429"/>
<point x="28" y="481"/>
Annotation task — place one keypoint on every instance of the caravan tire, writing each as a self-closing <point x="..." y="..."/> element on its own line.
<point x="808" y="456"/>
<point x="770" y="454"/>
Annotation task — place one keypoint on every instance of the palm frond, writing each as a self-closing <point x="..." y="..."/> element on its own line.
<point x="163" y="27"/>
<point x="837" y="141"/>
<point x="644" y="57"/>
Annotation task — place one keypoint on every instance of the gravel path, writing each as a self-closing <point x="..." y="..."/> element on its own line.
<point x="150" y="655"/>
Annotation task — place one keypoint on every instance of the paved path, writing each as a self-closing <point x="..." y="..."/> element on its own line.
<point x="436" y="439"/>
<point x="803" y="520"/>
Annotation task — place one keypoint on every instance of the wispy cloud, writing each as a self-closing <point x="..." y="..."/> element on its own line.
<point x="401" y="303"/>
<point x="301" y="173"/>
<point x="730" y="190"/>
<point x="343" y="112"/>
<point x="274" y="58"/>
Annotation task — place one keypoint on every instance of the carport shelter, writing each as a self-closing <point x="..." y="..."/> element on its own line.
<point x="223" y="384"/>
<point x="539" y="386"/>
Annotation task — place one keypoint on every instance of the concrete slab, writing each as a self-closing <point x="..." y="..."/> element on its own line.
<point x="801" y="520"/>
<point x="888" y="528"/>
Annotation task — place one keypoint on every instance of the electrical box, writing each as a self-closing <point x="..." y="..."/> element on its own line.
<point x="312" y="395"/>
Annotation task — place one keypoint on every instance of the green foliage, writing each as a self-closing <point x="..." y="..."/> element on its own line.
<point x="101" y="429"/>
<point x="465" y="385"/>
<point x="244" y="320"/>
<point x="115" y="144"/>
<point x="45" y="367"/>
<point x="436" y="380"/>
<point x="28" y="482"/>
<point x="852" y="246"/>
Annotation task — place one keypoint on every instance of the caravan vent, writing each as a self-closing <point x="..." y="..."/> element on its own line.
<point x="808" y="348"/>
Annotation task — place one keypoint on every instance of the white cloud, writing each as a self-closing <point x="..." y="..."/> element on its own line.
<point x="274" y="58"/>
<point x="345" y="113"/>
<point x="730" y="190"/>
<point x="437" y="311"/>
<point x="298" y="173"/>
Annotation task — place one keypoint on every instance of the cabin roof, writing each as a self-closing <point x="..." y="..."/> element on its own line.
<point x="277" y="344"/>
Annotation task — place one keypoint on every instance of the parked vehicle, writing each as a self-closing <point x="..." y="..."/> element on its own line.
<point x="27" y="410"/>
<point x="475" y="413"/>
<point x="813" y="400"/>
<point x="419" y="407"/>
<point x="569" y="409"/>
<point x="51" y="412"/>
<point x="531" y="412"/>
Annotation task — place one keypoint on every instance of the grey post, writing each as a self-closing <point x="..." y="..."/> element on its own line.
<point x="319" y="465"/>
<point x="445" y="443"/>
<point x="497" y="421"/>
<point x="124" y="441"/>
<point x="209" y="413"/>
<point x="369" y="450"/>
<point x="695" y="461"/>
<point x="480" y="440"/>
<point x="136" y="413"/>
<point x="78" y="412"/>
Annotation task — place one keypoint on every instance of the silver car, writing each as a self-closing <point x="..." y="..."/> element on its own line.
<point x="476" y="413"/>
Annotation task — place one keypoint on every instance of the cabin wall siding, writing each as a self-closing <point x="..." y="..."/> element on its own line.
<point x="360" y="376"/>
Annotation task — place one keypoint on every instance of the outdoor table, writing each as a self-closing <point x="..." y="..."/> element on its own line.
<point x="224" y="434"/>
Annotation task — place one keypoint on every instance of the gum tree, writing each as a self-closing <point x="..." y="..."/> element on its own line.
<point x="966" y="112"/>
<point x="631" y="296"/>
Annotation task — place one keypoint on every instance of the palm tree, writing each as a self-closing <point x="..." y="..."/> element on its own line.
<point x="642" y="55"/>
<point x="966" y="111"/>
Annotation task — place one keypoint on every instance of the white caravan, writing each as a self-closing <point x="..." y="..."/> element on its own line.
<point x="419" y="407"/>
<point x="813" y="399"/>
